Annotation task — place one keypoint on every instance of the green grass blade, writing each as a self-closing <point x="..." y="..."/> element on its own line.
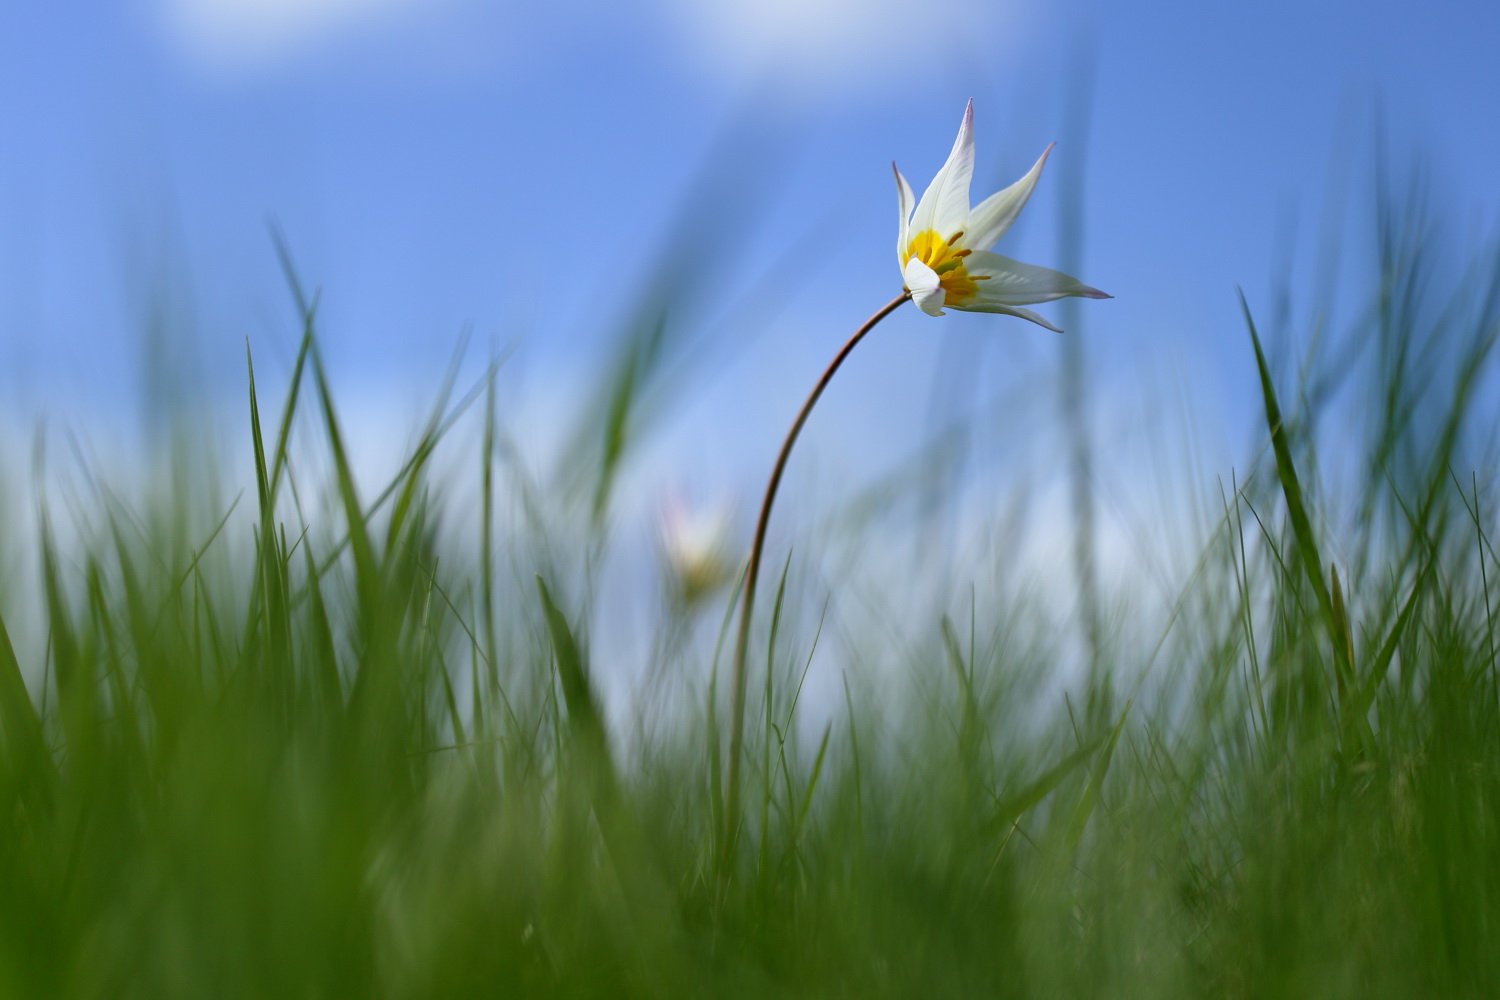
<point x="322" y="656"/>
<point x="1016" y="805"/>
<point x="366" y="566"/>
<point x="585" y="721"/>
<point x="271" y="562"/>
<point x="1380" y="666"/>
<point x="1090" y="798"/>
<point x="799" y="818"/>
<point x="22" y="739"/>
<point x="1291" y="489"/>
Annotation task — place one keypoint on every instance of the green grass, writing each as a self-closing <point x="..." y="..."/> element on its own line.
<point x="314" y="750"/>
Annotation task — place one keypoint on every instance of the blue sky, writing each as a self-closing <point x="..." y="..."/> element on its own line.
<point x="454" y="163"/>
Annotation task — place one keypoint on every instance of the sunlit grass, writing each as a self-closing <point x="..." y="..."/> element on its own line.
<point x="318" y="748"/>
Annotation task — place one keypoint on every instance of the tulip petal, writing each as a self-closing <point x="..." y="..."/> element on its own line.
<point x="945" y="204"/>
<point x="1005" y="282"/>
<point x="992" y="217"/>
<point x="904" y="202"/>
<point x="924" y="285"/>
<point x="1026" y="314"/>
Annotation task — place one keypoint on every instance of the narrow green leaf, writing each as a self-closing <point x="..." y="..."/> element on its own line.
<point x="812" y="786"/>
<point x="584" y="718"/>
<point x="1365" y="696"/>
<point x="366" y="568"/>
<point x="323" y="657"/>
<point x="1018" y="804"/>
<point x="1090" y="797"/>
<point x="22" y="739"/>
<point x="1291" y="488"/>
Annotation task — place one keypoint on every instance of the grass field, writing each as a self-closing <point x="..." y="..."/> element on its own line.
<point x="309" y="746"/>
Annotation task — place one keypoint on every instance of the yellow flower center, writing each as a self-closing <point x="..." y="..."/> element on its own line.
<point x="947" y="261"/>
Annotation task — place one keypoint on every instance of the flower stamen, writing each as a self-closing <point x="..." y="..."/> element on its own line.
<point x="947" y="262"/>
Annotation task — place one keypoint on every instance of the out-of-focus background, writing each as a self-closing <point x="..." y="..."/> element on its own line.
<point x="537" y="178"/>
<point x="455" y="164"/>
<point x="1132" y="661"/>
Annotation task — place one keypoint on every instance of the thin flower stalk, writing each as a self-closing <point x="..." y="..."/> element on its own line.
<point x="943" y="250"/>
<point x="752" y="575"/>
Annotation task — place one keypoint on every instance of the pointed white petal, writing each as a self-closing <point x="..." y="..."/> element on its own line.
<point x="1036" y="318"/>
<point x="1009" y="282"/>
<point x="945" y="203"/>
<point x="992" y="217"/>
<point x="922" y="282"/>
<point x="905" y="201"/>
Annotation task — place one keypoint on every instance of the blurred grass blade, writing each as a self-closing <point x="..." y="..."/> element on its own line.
<point x="271" y="562"/>
<point x="713" y="735"/>
<point x="805" y="806"/>
<point x="1090" y="798"/>
<point x="1343" y="632"/>
<point x="72" y="670"/>
<point x="1013" y="807"/>
<point x="584" y="719"/>
<point x="366" y="567"/>
<point x="294" y="391"/>
<point x="426" y="445"/>
<point x="27" y="762"/>
<point x="322" y="656"/>
<point x="769" y="736"/>
<point x="17" y="713"/>
<point x="640" y="359"/>
<point x="1365" y="696"/>
<point x="969" y="730"/>
<point x="1291" y="488"/>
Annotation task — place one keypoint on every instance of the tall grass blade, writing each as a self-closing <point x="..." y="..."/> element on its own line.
<point x="585" y="721"/>
<point x="1291" y="489"/>
<point x="1090" y="798"/>
<point x="26" y="762"/>
<point x="1016" y="805"/>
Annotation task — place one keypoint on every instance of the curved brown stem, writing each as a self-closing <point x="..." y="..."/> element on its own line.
<point x="752" y="574"/>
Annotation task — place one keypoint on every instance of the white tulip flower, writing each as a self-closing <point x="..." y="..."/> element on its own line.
<point x="696" y="544"/>
<point x="944" y="244"/>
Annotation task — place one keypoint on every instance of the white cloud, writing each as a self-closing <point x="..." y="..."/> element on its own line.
<point x="828" y="46"/>
<point x="792" y="48"/>
<point x="248" y="34"/>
